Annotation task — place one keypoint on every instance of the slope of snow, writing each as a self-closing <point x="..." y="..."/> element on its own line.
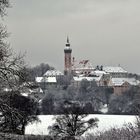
<point x="105" y="122"/>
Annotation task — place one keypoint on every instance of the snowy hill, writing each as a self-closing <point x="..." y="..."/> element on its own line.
<point x="105" y="122"/>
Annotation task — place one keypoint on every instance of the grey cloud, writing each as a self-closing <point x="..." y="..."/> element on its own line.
<point x="104" y="31"/>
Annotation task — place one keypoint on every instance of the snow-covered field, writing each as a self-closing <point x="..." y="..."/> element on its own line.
<point x="105" y="122"/>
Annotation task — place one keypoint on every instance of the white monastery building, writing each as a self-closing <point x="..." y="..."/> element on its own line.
<point x="108" y="76"/>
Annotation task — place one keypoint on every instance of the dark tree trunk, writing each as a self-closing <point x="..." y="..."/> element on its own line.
<point x="23" y="129"/>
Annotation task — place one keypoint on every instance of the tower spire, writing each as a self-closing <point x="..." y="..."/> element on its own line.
<point x="68" y="43"/>
<point x="67" y="39"/>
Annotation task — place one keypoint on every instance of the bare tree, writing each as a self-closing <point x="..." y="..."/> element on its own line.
<point x="11" y="70"/>
<point x="17" y="112"/>
<point x="73" y="123"/>
<point x="3" y="5"/>
<point x="127" y="132"/>
<point x="11" y="65"/>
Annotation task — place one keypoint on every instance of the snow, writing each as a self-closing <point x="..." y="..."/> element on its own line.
<point x="78" y="79"/>
<point x="98" y="72"/>
<point x="67" y="47"/>
<point x="46" y="79"/>
<point x="104" y="109"/>
<point x="40" y="90"/>
<point x="25" y="94"/>
<point x="105" y="122"/>
<point x="38" y="79"/>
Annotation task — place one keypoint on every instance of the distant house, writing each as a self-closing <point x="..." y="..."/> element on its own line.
<point x="30" y="89"/>
<point x="102" y="78"/>
<point x="49" y="79"/>
<point x="115" y="77"/>
<point x="121" y="85"/>
<point x="45" y="82"/>
<point x="119" y="79"/>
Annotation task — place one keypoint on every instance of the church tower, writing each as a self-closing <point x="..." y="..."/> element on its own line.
<point x="67" y="58"/>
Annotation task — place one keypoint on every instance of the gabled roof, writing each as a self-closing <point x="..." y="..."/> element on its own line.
<point x="53" y="73"/>
<point x="111" y="69"/>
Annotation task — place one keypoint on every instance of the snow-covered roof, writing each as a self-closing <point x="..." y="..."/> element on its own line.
<point x="82" y="65"/>
<point x="25" y="94"/>
<point x="111" y="69"/>
<point x="53" y="73"/>
<point x="121" y="81"/>
<point x="39" y="90"/>
<point x="78" y="79"/>
<point x="46" y="79"/>
<point x="98" y="72"/>
<point x="38" y="79"/>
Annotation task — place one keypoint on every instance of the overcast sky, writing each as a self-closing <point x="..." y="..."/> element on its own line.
<point x="107" y="32"/>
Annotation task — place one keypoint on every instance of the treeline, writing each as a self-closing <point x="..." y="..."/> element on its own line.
<point x="126" y="103"/>
<point x="90" y="97"/>
<point x="37" y="71"/>
<point x="7" y="136"/>
<point x="127" y="132"/>
<point x="134" y="75"/>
